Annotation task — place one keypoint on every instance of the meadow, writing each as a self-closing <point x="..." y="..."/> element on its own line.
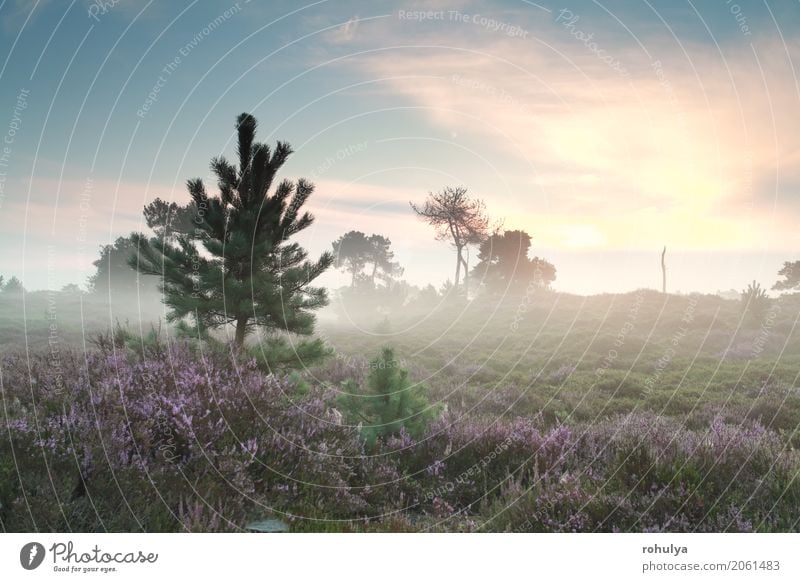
<point x="539" y="411"/>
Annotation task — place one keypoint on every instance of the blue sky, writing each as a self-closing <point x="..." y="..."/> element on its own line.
<point x="606" y="130"/>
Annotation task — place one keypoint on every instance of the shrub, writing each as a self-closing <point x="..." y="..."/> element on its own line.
<point x="172" y="438"/>
<point x="192" y="440"/>
<point x="755" y="303"/>
<point x="391" y="403"/>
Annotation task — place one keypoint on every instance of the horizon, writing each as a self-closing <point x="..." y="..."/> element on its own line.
<point x="574" y="267"/>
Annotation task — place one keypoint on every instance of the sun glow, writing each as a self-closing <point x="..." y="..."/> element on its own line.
<point x="582" y="236"/>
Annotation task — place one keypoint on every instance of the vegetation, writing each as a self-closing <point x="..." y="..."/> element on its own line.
<point x="391" y="405"/>
<point x="113" y="275"/>
<point x="250" y="274"/>
<point x="521" y="439"/>
<point x="456" y="217"/>
<point x="755" y="303"/>
<point x="504" y="264"/>
<point x="168" y="219"/>
<point x="630" y="412"/>
<point x="791" y="277"/>
<point x="13" y="286"/>
<point x="354" y="251"/>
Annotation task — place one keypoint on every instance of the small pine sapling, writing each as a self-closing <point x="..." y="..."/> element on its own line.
<point x="390" y="404"/>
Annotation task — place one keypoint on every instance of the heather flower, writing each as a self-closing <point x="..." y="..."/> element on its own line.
<point x="208" y="442"/>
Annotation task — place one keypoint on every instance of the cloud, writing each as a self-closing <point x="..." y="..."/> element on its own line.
<point x="22" y="12"/>
<point x="344" y="33"/>
<point x="656" y="153"/>
<point x="70" y="219"/>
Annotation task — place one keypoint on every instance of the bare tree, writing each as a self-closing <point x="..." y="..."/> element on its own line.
<point x="456" y="217"/>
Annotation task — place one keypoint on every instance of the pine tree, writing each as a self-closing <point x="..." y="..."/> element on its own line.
<point x="755" y="303"/>
<point x="168" y="219"/>
<point x="13" y="286"/>
<point x="390" y="404"/>
<point x="238" y="266"/>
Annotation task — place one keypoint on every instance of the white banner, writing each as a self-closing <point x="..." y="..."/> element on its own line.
<point x="400" y="557"/>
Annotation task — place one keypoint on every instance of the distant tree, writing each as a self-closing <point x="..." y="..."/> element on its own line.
<point x="114" y="274"/>
<point x="791" y="277"/>
<point x="351" y="252"/>
<point x="170" y="219"/>
<point x="366" y="303"/>
<point x="458" y="218"/>
<point x="1" y="282"/>
<point x="355" y="251"/>
<point x="71" y="289"/>
<point x="381" y="258"/>
<point x="13" y="286"/>
<point x="428" y="295"/>
<point x="755" y="302"/>
<point x="249" y="274"/>
<point x="504" y="263"/>
<point x="447" y="288"/>
<point x="731" y="294"/>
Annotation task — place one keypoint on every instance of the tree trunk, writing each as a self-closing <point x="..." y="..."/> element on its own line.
<point x="374" y="270"/>
<point x="663" y="271"/>
<point x="241" y="330"/>
<point x="466" y="274"/>
<point x="458" y="267"/>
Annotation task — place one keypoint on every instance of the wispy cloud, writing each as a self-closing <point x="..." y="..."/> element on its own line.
<point x="20" y="13"/>
<point x="646" y="157"/>
<point x="344" y="33"/>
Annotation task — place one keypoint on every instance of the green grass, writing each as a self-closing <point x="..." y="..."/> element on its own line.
<point x="679" y="356"/>
<point x="630" y="352"/>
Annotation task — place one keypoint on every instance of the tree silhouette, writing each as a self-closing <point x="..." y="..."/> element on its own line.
<point x="504" y="263"/>
<point x="755" y="302"/>
<point x="248" y="273"/>
<point x="13" y="286"/>
<point x="382" y="259"/>
<point x="456" y="217"/>
<point x="170" y="219"/>
<point x="351" y="252"/>
<point x="791" y="277"/>
<point x="114" y="275"/>
<point x="426" y="298"/>
<point x="354" y="251"/>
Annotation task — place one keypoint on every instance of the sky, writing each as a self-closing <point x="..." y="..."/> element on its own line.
<point x="606" y="130"/>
